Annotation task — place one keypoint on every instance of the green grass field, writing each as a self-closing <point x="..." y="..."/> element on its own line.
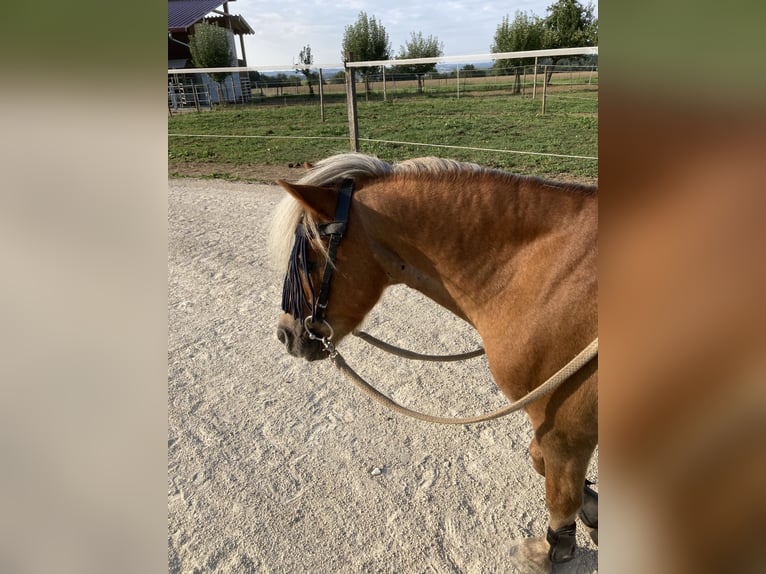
<point x="496" y="121"/>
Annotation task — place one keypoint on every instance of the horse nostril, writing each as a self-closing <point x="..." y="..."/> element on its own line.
<point x="282" y="336"/>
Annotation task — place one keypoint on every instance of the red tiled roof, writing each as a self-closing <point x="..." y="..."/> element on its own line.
<point x="182" y="14"/>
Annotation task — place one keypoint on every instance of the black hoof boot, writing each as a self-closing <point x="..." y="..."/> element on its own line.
<point x="562" y="543"/>
<point x="589" y="512"/>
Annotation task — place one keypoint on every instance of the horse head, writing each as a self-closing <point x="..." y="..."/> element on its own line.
<point x="331" y="279"/>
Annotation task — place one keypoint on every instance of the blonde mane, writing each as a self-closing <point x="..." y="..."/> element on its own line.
<point x="331" y="171"/>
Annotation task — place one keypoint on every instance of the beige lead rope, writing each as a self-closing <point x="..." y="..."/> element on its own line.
<point x="399" y="352"/>
<point x="548" y="386"/>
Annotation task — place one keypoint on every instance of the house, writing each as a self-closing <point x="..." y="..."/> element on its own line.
<point x="191" y="89"/>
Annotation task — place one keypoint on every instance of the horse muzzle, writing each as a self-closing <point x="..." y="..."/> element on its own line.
<point x="292" y="334"/>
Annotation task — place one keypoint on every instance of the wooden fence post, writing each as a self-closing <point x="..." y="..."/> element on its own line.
<point x="196" y="97"/>
<point x="353" y="123"/>
<point x="321" y="94"/>
<point x="545" y="86"/>
<point x="523" y="80"/>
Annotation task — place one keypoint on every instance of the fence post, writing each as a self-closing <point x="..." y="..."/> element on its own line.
<point x="534" y="82"/>
<point x="353" y="123"/>
<point x="321" y="94"/>
<point x="523" y="80"/>
<point x="196" y="97"/>
<point x="384" y="83"/>
<point x="545" y="85"/>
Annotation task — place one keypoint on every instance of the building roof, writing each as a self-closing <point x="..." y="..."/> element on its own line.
<point x="183" y="14"/>
<point x="236" y="23"/>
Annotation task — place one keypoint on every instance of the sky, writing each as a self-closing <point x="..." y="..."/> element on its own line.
<point x="283" y="27"/>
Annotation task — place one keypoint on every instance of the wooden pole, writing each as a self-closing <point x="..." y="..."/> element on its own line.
<point x="534" y="81"/>
<point x="523" y="80"/>
<point x="353" y="123"/>
<point x="321" y="94"/>
<point x="196" y="98"/>
<point x="242" y="48"/>
<point x="545" y="85"/>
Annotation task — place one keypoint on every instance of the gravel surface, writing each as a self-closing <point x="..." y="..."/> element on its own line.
<point x="279" y="465"/>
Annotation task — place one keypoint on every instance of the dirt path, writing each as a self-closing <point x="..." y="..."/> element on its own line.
<point x="278" y="465"/>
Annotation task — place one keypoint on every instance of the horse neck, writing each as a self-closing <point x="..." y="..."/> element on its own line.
<point x="456" y="239"/>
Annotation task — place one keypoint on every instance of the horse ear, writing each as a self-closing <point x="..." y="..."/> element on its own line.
<point x="319" y="201"/>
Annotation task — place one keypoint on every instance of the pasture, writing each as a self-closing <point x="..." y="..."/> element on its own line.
<point x="238" y="141"/>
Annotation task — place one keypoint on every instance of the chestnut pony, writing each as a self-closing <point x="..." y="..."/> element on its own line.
<point x="514" y="256"/>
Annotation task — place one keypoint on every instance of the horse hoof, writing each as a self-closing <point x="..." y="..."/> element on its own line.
<point x="562" y="543"/>
<point x="589" y="513"/>
<point x="530" y="556"/>
<point x="594" y="535"/>
<point x="593" y="532"/>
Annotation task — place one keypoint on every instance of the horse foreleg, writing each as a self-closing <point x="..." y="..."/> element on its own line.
<point x="588" y="512"/>
<point x="563" y="504"/>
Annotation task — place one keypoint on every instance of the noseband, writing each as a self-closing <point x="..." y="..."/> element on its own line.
<point x="294" y="299"/>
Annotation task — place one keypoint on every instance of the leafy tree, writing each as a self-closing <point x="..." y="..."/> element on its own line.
<point x="306" y="58"/>
<point x="367" y="40"/>
<point x="210" y="48"/>
<point x="469" y="71"/>
<point x="569" y="24"/>
<point x="524" y="33"/>
<point x="257" y="80"/>
<point x="419" y="47"/>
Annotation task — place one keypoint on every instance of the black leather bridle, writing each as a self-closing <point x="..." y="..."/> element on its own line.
<point x="294" y="300"/>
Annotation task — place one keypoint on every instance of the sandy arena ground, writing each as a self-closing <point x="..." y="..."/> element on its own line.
<point x="279" y="465"/>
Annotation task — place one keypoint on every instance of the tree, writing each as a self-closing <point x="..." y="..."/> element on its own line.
<point x="210" y="48"/>
<point x="366" y="40"/>
<point x="469" y="71"/>
<point x="524" y="33"/>
<point x="419" y="47"/>
<point x="306" y="58"/>
<point x="569" y="24"/>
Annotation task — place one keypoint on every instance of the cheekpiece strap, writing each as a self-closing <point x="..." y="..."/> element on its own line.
<point x="335" y="230"/>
